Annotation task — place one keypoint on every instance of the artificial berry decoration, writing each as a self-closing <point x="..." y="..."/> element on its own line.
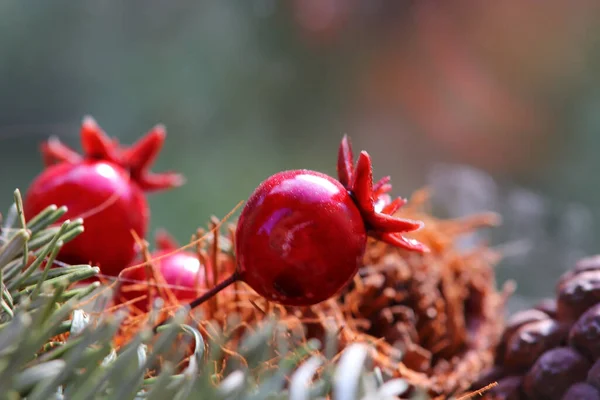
<point x="182" y="271"/>
<point x="105" y="186"/>
<point x="302" y="234"/>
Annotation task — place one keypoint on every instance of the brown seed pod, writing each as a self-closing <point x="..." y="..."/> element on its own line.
<point x="582" y="391"/>
<point x="490" y="376"/>
<point x="593" y="377"/>
<point x="548" y="306"/>
<point x="515" y="322"/>
<point x="577" y="294"/>
<point x="441" y="309"/>
<point x="530" y="341"/>
<point x="508" y="388"/>
<point x="585" y="333"/>
<point x="565" y="331"/>
<point x="554" y="372"/>
<point x="591" y="263"/>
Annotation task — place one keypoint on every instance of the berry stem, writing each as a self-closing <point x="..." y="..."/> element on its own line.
<point x="206" y="296"/>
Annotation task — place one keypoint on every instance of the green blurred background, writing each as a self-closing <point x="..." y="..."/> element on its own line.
<point x="493" y="105"/>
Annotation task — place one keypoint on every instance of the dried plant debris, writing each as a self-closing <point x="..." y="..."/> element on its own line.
<point x="432" y="320"/>
<point x="552" y="351"/>
<point x="440" y="311"/>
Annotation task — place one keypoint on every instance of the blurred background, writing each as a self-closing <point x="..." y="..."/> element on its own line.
<point x="492" y="105"/>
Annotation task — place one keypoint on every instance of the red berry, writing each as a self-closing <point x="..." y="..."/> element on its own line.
<point x="181" y="271"/>
<point x="300" y="238"/>
<point x="302" y="234"/>
<point x="82" y="187"/>
<point x="106" y="188"/>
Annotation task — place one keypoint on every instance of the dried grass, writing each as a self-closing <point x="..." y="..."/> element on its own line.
<point x="433" y="319"/>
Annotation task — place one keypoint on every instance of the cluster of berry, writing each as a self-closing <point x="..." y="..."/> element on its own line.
<point x="552" y="351"/>
<point x="299" y="240"/>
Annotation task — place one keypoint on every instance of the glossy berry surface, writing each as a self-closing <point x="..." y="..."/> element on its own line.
<point x="105" y="186"/>
<point x="181" y="271"/>
<point x="301" y="238"/>
<point x="82" y="187"/>
<point x="302" y="234"/>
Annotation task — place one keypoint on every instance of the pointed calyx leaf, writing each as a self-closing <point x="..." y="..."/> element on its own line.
<point x="96" y="143"/>
<point x="345" y="161"/>
<point x="139" y="157"/>
<point x="54" y="152"/>
<point x="136" y="159"/>
<point x="373" y="200"/>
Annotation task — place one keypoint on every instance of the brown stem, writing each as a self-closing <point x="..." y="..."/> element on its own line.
<point x="206" y="296"/>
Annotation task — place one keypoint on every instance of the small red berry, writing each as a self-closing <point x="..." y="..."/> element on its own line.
<point x="106" y="188"/>
<point x="300" y="238"/>
<point x="181" y="271"/>
<point x="302" y="234"/>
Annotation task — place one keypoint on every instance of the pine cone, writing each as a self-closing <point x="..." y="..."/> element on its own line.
<point x="552" y="351"/>
<point x="440" y="311"/>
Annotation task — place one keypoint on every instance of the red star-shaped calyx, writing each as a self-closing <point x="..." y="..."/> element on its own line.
<point x="374" y="201"/>
<point x="136" y="159"/>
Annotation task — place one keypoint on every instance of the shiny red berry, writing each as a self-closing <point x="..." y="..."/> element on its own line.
<point x="300" y="238"/>
<point x="105" y="186"/>
<point x="181" y="271"/>
<point x="302" y="234"/>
